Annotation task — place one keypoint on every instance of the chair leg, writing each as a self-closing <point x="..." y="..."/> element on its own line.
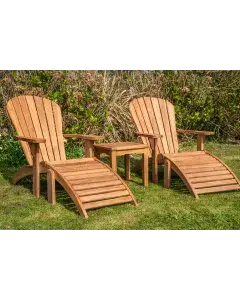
<point x="200" y="142"/>
<point x="36" y="170"/>
<point x="145" y="168"/>
<point x="51" y="186"/>
<point x="167" y="173"/>
<point x="154" y="167"/>
<point x="89" y="148"/>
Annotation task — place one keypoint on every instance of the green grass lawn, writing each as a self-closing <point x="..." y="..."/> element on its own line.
<point x="159" y="208"/>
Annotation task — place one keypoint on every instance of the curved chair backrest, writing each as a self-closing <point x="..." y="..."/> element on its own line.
<point x="38" y="117"/>
<point x="155" y="115"/>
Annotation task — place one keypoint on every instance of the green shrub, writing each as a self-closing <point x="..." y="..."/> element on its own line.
<point x="11" y="153"/>
<point x="97" y="102"/>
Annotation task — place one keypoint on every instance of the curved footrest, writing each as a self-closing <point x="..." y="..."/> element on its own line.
<point x="203" y="172"/>
<point x="91" y="184"/>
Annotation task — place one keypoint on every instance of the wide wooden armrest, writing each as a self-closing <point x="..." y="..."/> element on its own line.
<point x="150" y="135"/>
<point x="197" y="132"/>
<point x="84" y="137"/>
<point x="30" y="139"/>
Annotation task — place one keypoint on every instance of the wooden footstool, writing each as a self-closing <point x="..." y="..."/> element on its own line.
<point x="125" y="148"/>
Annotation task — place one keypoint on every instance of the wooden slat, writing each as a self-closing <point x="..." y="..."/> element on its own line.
<point x="37" y="125"/>
<point x="207" y="174"/>
<point x="120" y="146"/>
<point x="57" y="116"/>
<point x="159" y="121"/>
<point x="83" y="176"/>
<point x="98" y="191"/>
<point x="91" y="176"/>
<point x="20" y="117"/>
<point x="90" y="180"/>
<point x="153" y="121"/>
<point x="214" y="183"/>
<point x="59" y="163"/>
<point x="199" y="161"/>
<point x="218" y="189"/>
<point x="86" y="172"/>
<point x="74" y="163"/>
<point x="205" y="170"/>
<point x="79" y="187"/>
<point x="141" y="121"/>
<point x="41" y="122"/>
<point x="17" y="125"/>
<point x="200" y="166"/>
<point x="105" y="196"/>
<point x="192" y="158"/>
<point x="137" y="122"/>
<point x="227" y="167"/>
<point x="164" y="113"/>
<point x="145" y="115"/>
<point x="79" y="167"/>
<point x="51" y="127"/>
<point x="211" y="178"/>
<point x="21" y="120"/>
<point x="194" y="153"/>
<point x="172" y="123"/>
<point x="31" y="128"/>
<point x="108" y="202"/>
<point x="27" y="116"/>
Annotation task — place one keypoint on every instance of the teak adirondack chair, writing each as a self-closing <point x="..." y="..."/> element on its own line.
<point x="201" y="171"/>
<point x="89" y="182"/>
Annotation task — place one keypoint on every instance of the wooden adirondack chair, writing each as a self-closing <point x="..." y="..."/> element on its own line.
<point x="89" y="182"/>
<point x="201" y="171"/>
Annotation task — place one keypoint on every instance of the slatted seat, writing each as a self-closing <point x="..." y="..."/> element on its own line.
<point x="201" y="171"/>
<point x="89" y="182"/>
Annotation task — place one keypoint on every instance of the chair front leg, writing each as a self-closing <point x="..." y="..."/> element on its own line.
<point x="36" y="169"/>
<point x="89" y="148"/>
<point x="200" y="142"/>
<point x="154" y="162"/>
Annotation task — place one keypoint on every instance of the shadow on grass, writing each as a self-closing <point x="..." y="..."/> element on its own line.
<point x="61" y="195"/>
<point x="136" y="170"/>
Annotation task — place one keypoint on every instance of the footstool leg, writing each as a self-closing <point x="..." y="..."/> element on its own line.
<point x="145" y="168"/>
<point x="127" y="166"/>
<point x="167" y="173"/>
<point x="51" y="187"/>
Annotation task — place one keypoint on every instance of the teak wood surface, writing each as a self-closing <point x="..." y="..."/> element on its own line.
<point x="201" y="171"/>
<point x="38" y="122"/>
<point x="125" y="148"/>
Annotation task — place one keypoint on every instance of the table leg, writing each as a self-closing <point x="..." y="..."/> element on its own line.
<point x="145" y="168"/>
<point x="113" y="160"/>
<point x="127" y="166"/>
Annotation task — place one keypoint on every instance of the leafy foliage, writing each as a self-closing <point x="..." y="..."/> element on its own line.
<point x="97" y="101"/>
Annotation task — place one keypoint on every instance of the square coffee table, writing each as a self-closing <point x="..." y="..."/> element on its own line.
<point x="126" y="149"/>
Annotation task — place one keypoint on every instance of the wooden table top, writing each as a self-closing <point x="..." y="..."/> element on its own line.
<point x="121" y="146"/>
